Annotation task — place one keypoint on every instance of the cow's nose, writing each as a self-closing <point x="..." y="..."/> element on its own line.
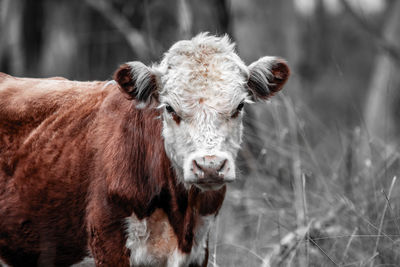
<point x="210" y="168"/>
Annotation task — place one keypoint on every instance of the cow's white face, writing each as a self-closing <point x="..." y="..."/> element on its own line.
<point x="201" y="86"/>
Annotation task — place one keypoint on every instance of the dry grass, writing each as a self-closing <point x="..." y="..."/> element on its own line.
<point x="314" y="195"/>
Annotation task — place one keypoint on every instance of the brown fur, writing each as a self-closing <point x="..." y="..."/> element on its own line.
<point x="76" y="158"/>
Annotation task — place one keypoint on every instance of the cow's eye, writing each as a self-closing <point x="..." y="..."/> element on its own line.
<point x="240" y="107"/>
<point x="169" y="109"/>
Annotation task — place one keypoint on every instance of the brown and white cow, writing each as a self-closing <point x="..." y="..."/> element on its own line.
<point x="128" y="172"/>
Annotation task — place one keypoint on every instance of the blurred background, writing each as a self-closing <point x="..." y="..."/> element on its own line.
<point x="318" y="166"/>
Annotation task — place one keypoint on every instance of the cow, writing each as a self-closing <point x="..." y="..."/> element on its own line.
<point x="127" y="172"/>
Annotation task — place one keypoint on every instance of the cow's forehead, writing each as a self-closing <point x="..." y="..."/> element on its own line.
<point x="206" y="71"/>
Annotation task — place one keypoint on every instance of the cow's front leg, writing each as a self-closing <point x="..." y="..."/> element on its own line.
<point x="106" y="234"/>
<point x="107" y="245"/>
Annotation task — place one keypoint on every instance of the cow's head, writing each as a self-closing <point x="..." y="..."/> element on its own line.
<point x="202" y="86"/>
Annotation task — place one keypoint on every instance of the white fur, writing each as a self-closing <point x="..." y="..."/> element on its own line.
<point x="197" y="254"/>
<point x="261" y="71"/>
<point x="137" y="236"/>
<point x="201" y="239"/>
<point x="204" y="80"/>
<point x="142" y="75"/>
<point x="112" y="82"/>
<point x="177" y="259"/>
<point x="263" y="68"/>
<point x="138" y="242"/>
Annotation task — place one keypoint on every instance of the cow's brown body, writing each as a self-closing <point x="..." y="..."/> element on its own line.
<point x="76" y="159"/>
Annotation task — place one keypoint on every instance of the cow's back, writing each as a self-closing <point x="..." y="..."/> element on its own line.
<point x="45" y="160"/>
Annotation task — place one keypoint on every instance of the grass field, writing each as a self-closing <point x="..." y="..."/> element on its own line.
<point x="316" y="194"/>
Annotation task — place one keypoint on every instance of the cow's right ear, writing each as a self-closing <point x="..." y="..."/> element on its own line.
<point x="136" y="81"/>
<point x="267" y="76"/>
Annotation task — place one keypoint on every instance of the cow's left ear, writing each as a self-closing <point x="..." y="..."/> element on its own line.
<point x="136" y="81"/>
<point x="267" y="76"/>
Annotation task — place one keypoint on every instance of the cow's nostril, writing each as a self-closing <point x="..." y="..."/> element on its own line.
<point x="222" y="166"/>
<point x="196" y="166"/>
<point x="198" y="169"/>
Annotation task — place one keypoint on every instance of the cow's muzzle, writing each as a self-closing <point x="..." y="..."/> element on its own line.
<point x="211" y="172"/>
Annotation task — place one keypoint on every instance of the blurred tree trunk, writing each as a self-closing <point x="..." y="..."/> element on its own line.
<point x="98" y="39"/>
<point x="11" y="51"/>
<point x="32" y="34"/>
<point x="382" y="110"/>
<point x="60" y="44"/>
<point x="211" y="15"/>
<point x="170" y="21"/>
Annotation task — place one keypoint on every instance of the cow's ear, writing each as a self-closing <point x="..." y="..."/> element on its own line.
<point x="136" y="81"/>
<point x="267" y="76"/>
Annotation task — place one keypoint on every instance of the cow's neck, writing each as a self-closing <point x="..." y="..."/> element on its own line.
<point x="184" y="207"/>
<point x="187" y="207"/>
<point x="149" y="182"/>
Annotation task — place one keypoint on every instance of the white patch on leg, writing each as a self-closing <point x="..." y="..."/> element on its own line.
<point x="201" y="239"/>
<point x="177" y="259"/>
<point x="152" y="241"/>
<point x="136" y="242"/>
